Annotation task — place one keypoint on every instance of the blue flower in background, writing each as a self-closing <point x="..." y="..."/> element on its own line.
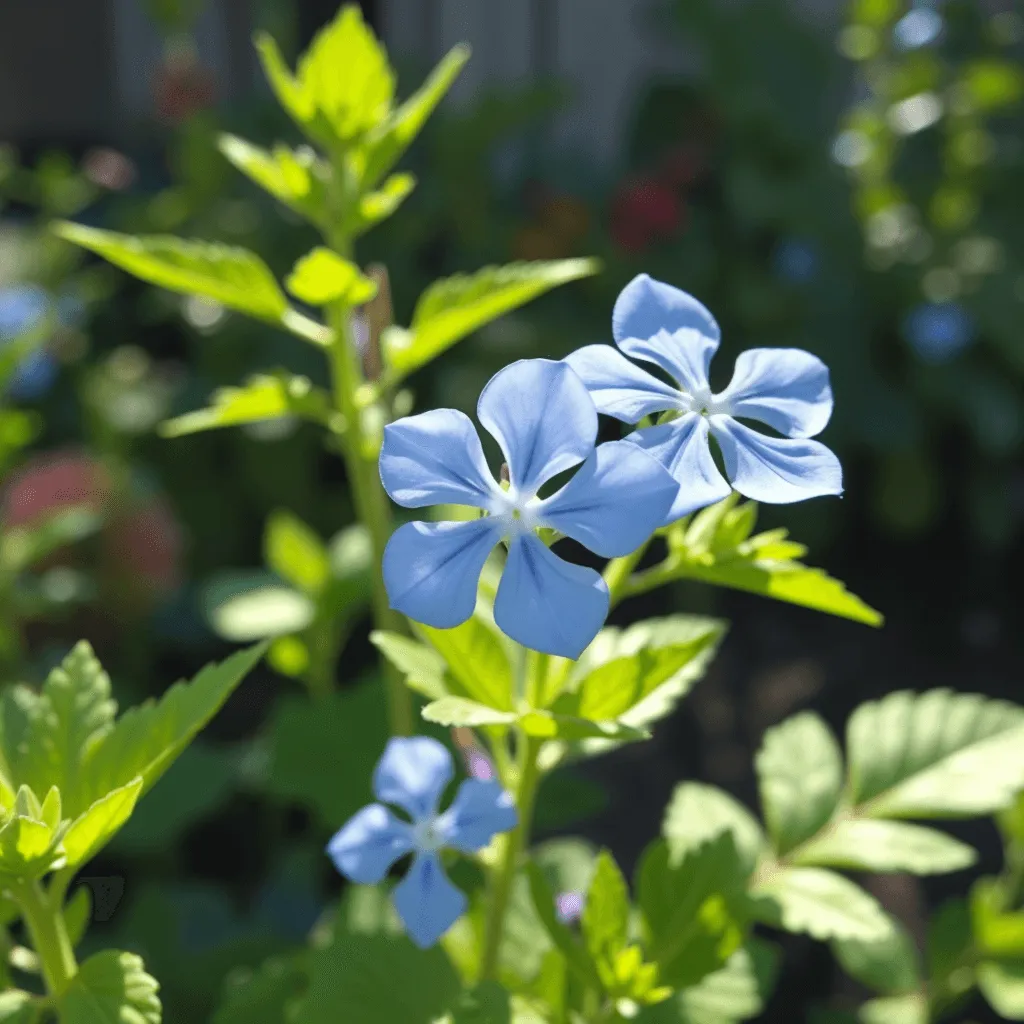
<point x="413" y="774"/>
<point x="937" y="331"/>
<point x="785" y="388"/>
<point x="23" y="308"/>
<point x="917" y="28"/>
<point x="795" y="260"/>
<point x="540" y="414"/>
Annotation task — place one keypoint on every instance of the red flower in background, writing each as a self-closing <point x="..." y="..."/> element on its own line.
<point x="645" y="210"/>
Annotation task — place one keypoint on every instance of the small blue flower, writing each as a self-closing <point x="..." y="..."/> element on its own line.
<point x="917" y="28"/>
<point x="795" y="260"/>
<point x="413" y="773"/>
<point x="937" y="331"/>
<point x="785" y="388"/>
<point x="22" y="309"/>
<point x="540" y="414"/>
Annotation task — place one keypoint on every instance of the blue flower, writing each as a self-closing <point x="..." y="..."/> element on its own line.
<point x="938" y="331"/>
<point x="795" y="260"/>
<point x="22" y="309"/>
<point x="412" y="774"/>
<point x="540" y="414"/>
<point x="917" y="28"/>
<point x="785" y="388"/>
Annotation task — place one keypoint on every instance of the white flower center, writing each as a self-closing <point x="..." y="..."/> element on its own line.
<point x="704" y="402"/>
<point x="517" y="512"/>
<point x="426" y="835"/>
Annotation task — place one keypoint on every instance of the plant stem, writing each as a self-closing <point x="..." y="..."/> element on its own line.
<point x="617" y="574"/>
<point x="45" y="922"/>
<point x="513" y="846"/>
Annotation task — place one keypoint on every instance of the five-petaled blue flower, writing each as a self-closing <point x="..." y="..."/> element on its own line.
<point x="539" y="412"/>
<point x="785" y="388"/>
<point x="413" y="774"/>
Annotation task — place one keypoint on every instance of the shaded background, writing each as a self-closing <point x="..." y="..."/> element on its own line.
<point x="840" y="177"/>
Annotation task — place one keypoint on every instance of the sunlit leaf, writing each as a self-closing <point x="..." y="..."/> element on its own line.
<point x="322" y="276"/>
<point x="111" y="988"/>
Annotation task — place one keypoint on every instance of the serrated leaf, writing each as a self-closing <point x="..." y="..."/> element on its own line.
<point x="454" y="307"/>
<point x="819" y="903"/>
<point x="322" y="276"/>
<point x="375" y="979"/>
<point x="234" y="277"/>
<point x="870" y="845"/>
<point x="605" y="920"/>
<point x="294" y="551"/>
<point x="98" y="824"/>
<point x="889" y="965"/>
<point x="460" y="711"/>
<point x="423" y="668"/>
<point x="478" y="659"/>
<point x="148" y="738"/>
<point x="385" y="146"/>
<point x="693" y="909"/>
<point x="264" y="995"/>
<point x="263" y="397"/>
<point x="800" y="772"/>
<point x="294" y="177"/>
<point x="111" y="988"/>
<point x="936" y="754"/>
<point x="698" y="813"/>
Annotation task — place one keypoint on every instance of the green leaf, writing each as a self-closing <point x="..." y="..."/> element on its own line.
<point x="18" y="1007"/>
<point x="488" y="1003"/>
<point x="800" y="770"/>
<point x="907" y="1009"/>
<point x="819" y="903"/>
<point x="322" y="276"/>
<point x="997" y="925"/>
<point x="78" y="914"/>
<point x="478" y="659"/>
<point x="74" y="715"/>
<point x="889" y="965"/>
<point x="242" y="607"/>
<point x="568" y="728"/>
<point x="374" y="979"/>
<point x="454" y="307"/>
<point x="936" y="754"/>
<point x="148" y="738"/>
<point x="423" y="668"/>
<point x="296" y="553"/>
<point x="385" y="146"/>
<point x="25" y="546"/>
<point x="693" y="909"/>
<point x="459" y="711"/>
<point x="294" y="177"/>
<point x="264" y="995"/>
<point x="1002" y="985"/>
<point x="377" y="206"/>
<point x="990" y="85"/>
<point x="313" y="745"/>
<point x="605" y="920"/>
<point x="94" y="828"/>
<point x="291" y="94"/>
<point x="950" y="942"/>
<point x="234" y="277"/>
<point x="28" y="845"/>
<point x="111" y="988"/>
<point x="262" y="397"/>
<point x="868" y="845"/>
<point x="698" y="813"/>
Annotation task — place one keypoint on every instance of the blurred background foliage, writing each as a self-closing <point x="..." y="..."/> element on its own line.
<point x="851" y="189"/>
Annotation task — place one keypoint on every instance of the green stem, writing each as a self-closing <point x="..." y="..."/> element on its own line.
<point x="513" y="846"/>
<point x="618" y="573"/>
<point x="45" y="922"/>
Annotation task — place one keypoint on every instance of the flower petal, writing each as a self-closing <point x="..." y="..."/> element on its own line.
<point x="541" y="415"/>
<point x="431" y="570"/>
<point x="412" y="773"/>
<point x="548" y="604"/>
<point x="666" y="326"/>
<point x="616" y="500"/>
<point x="435" y="458"/>
<point x="682" y="448"/>
<point x="366" y="846"/>
<point x="619" y="388"/>
<point x="427" y="902"/>
<point x="778" y="470"/>
<point x="786" y="388"/>
<point x="478" y="813"/>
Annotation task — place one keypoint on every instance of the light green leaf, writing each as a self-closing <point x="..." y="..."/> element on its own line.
<point x="605" y="920"/>
<point x="1002" y="985"/>
<point x="148" y="738"/>
<point x="95" y="827"/>
<point x="242" y="607"/>
<point x="24" y="546"/>
<point x="322" y="276"/>
<point x="263" y="397"/>
<point x="291" y="94"/>
<point x="992" y="84"/>
<point x="819" y="903"/>
<point x="693" y="909"/>
<point x="460" y="711"/>
<point x="78" y="914"/>
<point x="234" y="277"/>
<point x="377" y="206"/>
<point x="295" y="552"/>
<point x="478" y="659"/>
<point x="936" y="754"/>
<point x="889" y="965"/>
<point x="75" y="712"/>
<point x="111" y="988"/>
<point x="294" y="177"/>
<point x="997" y="925"/>
<point x="862" y="844"/>
<point x="375" y="979"/>
<point x="456" y="306"/>
<point x="423" y="668"/>
<point x="548" y="726"/>
<point x="28" y="846"/>
<point x="18" y="1007"/>
<point x="385" y="146"/>
<point x="264" y="995"/>
<point x="907" y="1009"/>
<point x="800" y="771"/>
<point x="698" y="813"/>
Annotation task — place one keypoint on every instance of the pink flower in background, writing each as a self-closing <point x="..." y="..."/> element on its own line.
<point x="644" y="211"/>
<point x="54" y="481"/>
